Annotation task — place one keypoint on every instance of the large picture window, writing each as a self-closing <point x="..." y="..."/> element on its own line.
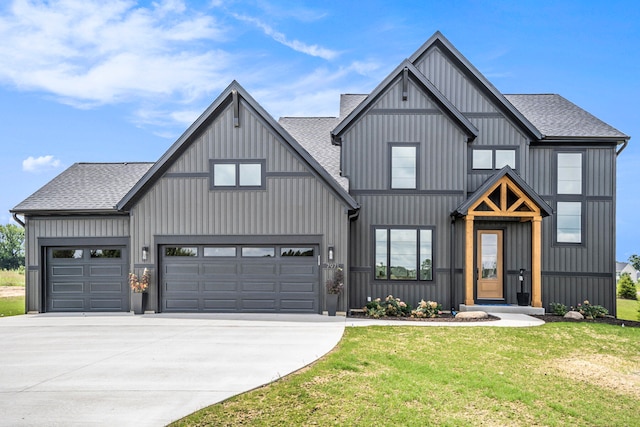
<point x="236" y="174"/>
<point x="404" y="167"/>
<point x="403" y="254"/>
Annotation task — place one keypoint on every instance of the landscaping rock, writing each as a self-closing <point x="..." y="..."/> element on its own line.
<point x="472" y="315"/>
<point x="573" y="315"/>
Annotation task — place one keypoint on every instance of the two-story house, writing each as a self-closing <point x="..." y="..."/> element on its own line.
<point x="433" y="186"/>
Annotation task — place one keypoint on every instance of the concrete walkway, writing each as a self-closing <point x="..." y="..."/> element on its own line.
<point x="125" y="370"/>
<point x="510" y="320"/>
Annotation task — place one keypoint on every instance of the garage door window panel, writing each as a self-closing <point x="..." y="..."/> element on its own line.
<point x="68" y="253"/>
<point x="105" y="253"/>
<point x="219" y="252"/>
<point x="257" y="252"/>
<point x="296" y="252"/>
<point x="181" y="251"/>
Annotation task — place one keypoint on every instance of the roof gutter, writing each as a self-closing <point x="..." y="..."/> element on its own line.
<point x="18" y="220"/>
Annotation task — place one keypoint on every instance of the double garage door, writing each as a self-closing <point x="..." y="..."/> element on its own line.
<point x="240" y="278"/>
<point x="87" y="279"/>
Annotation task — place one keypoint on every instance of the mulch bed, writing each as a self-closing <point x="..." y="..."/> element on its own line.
<point x="445" y="317"/>
<point x="548" y="318"/>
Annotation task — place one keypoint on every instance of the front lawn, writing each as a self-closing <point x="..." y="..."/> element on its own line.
<point x="11" y="306"/>
<point x="628" y="309"/>
<point x="557" y="374"/>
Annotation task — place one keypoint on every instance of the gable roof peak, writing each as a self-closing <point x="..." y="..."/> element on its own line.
<point x="409" y="68"/>
<point x="467" y="68"/>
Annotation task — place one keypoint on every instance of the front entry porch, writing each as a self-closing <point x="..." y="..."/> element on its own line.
<point x="503" y="199"/>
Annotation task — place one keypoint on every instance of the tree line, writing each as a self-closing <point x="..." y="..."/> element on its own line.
<point x="11" y="247"/>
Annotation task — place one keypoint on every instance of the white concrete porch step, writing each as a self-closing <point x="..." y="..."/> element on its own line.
<point x="503" y="308"/>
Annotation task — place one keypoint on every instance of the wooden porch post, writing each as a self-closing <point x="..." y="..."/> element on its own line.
<point x="468" y="260"/>
<point x="536" y="261"/>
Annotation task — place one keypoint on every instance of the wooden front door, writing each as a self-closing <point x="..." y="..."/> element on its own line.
<point x="490" y="277"/>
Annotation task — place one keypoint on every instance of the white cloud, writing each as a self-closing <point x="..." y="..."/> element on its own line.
<point x="40" y="164"/>
<point x="91" y="52"/>
<point x="298" y="46"/>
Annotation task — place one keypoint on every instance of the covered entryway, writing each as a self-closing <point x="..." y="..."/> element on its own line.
<point x="240" y="278"/>
<point x="86" y="278"/>
<point x="503" y="197"/>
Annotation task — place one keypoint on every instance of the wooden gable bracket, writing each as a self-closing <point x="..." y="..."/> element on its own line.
<point x="505" y="199"/>
<point x="236" y="108"/>
<point x="405" y="83"/>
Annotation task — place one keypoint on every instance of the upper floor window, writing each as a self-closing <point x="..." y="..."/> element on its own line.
<point x="489" y="159"/>
<point x="569" y="173"/>
<point x="240" y="174"/>
<point x="569" y="222"/>
<point x="403" y="254"/>
<point x="404" y="167"/>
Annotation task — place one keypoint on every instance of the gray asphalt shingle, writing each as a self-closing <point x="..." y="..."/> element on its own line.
<point x="556" y="116"/>
<point x="86" y="187"/>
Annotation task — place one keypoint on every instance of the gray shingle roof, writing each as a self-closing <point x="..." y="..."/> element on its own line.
<point x="556" y="116"/>
<point x="85" y="187"/>
<point x="349" y="102"/>
<point x="314" y="134"/>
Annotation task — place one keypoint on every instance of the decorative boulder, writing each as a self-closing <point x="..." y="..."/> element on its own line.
<point x="573" y="315"/>
<point x="472" y="315"/>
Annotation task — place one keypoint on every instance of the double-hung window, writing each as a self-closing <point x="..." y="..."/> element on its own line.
<point x="403" y="253"/>
<point x="570" y="203"/>
<point x="404" y="167"/>
<point x="238" y="174"/>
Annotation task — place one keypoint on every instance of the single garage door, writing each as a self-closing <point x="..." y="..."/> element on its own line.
<point x="87" y="279"/>
<point x="240" y="278"/>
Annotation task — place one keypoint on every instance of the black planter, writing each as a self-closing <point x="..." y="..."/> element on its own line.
<point x="332" y="304"/>
<point x="523" y="298"/>
<point x="138" y="300"/>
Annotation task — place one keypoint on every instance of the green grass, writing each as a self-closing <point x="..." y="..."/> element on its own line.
<point x="553" y="375"/>
<point x="628" y="309"/>
<point x="11" y="306"/>
<point x="11" y="278"/>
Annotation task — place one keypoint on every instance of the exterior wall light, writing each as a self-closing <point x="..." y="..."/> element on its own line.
<point x="331" y="254"/>
<point x="145" y="253"/>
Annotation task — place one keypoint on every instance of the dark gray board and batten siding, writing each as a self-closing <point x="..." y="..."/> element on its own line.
<point x="294" y="202"/>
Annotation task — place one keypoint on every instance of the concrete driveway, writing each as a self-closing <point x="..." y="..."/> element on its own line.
<point x="146" y="370"/>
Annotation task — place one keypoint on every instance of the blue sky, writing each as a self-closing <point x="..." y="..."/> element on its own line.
<point x="95" y="81"/>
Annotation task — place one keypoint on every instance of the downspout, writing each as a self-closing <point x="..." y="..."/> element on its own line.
<point x="624" y="145"/>
<point x="452" y="255"/>
<point x="18" y="220"/>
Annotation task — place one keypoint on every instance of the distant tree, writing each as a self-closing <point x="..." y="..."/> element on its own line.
<point x="11" y="247"/>
<point x="635" y="261"/>
<point x="626" y="287"/>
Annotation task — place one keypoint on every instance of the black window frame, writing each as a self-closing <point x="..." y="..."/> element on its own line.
<point x="417" y="229"/>
<point x="237" y="163"/>
<point x="493" y="149"/>
<point x="415" y="145"/>
<point x="581" y="198"/>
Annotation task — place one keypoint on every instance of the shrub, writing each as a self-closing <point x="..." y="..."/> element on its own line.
<point x="626" y="287"/>
<point x="427" y="309"/>
<point x="390" y="306"/>
<point x="558" y="309"/>
<point x="591" y="311"/>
